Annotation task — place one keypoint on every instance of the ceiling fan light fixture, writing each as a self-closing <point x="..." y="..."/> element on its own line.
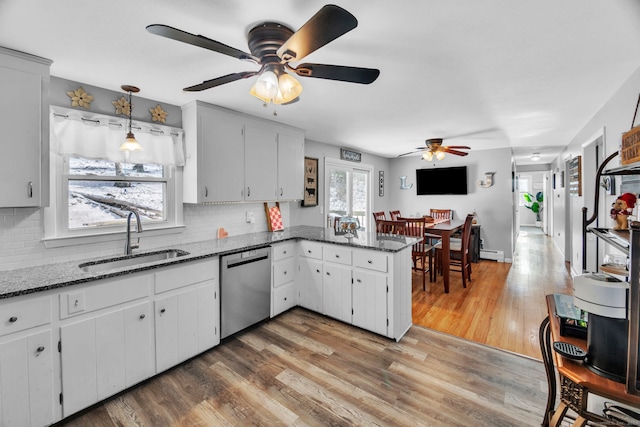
<point x="288" y="89"/>
<point x="427" y="155"/>
<point x="266" y="87"/>
<point x="440" y="155"/>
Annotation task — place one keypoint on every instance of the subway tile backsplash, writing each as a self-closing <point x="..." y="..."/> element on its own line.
<point x="22" y="231"/>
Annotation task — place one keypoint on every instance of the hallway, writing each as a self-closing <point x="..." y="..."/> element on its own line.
<point x="504" y="303"/>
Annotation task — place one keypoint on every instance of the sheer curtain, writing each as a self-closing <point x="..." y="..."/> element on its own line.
<point x="98" y="136"/>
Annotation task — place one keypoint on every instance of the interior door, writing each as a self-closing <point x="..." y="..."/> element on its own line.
<point x="349" y="190"/>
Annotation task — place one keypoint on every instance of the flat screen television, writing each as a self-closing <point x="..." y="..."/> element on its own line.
<point x="438" y="181"/>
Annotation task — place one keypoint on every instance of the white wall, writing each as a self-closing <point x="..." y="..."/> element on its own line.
<point x="493" y="205"/>
<point x="615" y="117"/>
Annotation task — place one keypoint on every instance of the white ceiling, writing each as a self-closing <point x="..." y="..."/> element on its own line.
<point x="485" y="73"/>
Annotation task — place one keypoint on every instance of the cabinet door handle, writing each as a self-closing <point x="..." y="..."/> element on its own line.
<point x="206" y="191"/>
<point x="309" y="250"/>
<point x="317" y="271"/>
<point x="285" y="298"/>
<point x="285" y="273"/>
<point x="162" y="310"/>
<point x="337" y="256"/>
<point x="40" y="349"/>
<point x="328" y="274"/>
<point x="248" y="191"/>
<point x="370" y="262"/>
<point x="13" y="319"/>
<point x="281" y="192"/>
<point x="358" y="280"/>
<point x="30" y="189"/>
<point x="142" y="316"/>
<point x="284" y="252"/>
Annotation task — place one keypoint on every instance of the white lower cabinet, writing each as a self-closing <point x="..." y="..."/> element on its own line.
<point x="105" y="354"/>
<point x="26" y="380"/>
<point x="186" y="325"/>
<point x="310" y="284"/>
<point x="370" y="301"/>
<point x="117" y="332"/>
<point x="336" y="291"/>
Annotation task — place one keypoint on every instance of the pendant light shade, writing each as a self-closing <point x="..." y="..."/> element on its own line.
<point x="130" y="143"/>
<point x="266" y="87"/>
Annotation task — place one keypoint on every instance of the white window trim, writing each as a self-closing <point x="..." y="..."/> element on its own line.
<point x="57" y="234"/>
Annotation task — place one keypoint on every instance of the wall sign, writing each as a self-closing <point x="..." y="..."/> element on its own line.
<point x="352" y="156"/>
<point x="310" y="182"/>
<point x="380" y="183"/>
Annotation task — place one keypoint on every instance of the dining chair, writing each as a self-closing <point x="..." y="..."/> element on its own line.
<point x="379" y="216"/>
<point x="394" y="215"/>
<point x="441" y="213"/>
<point x="459" y="256"/>
<point x="420" y="251"/>
<point x="386" y="226"/>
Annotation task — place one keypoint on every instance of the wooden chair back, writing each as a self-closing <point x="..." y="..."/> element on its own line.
<point x="385" y="226"/>
<point x="421" y="251"/>
<point x="394" y="215"/>
<point x="377" y="216"/>
<point x="441" y="213"/>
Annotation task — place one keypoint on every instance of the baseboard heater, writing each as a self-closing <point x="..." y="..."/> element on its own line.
<point x="491" y="254"/>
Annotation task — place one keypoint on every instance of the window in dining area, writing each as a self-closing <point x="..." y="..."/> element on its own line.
<point x="349" y="190"/>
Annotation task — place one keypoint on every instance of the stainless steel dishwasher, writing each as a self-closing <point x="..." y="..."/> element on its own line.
<point x="245" y="289"/>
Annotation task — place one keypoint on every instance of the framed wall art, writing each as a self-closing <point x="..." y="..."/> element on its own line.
<point x="310" y="197"/>
<point x="575" y="176"/>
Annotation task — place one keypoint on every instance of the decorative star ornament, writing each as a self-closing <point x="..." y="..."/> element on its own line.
<point x="122" y="106"/>
<point x="80" y="98"/>
<point x="158" y="114"/>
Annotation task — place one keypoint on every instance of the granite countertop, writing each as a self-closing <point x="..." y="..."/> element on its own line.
<point x="51" y="276"/>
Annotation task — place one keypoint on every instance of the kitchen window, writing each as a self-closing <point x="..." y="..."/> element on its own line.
<point x="95" y="186"/>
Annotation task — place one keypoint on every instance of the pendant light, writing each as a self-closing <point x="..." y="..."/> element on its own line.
<point x="130" y="143"/>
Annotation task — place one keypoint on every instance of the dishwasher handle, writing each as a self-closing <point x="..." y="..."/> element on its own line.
<point x="243" y="258"/>
<point x="240" y="262"/>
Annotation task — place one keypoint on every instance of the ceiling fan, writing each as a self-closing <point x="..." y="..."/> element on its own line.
<point x="434" y="148"/>
<point x="274" y="46"/>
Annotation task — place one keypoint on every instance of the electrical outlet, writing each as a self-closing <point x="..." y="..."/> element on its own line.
<point x="250" y="218"/>
<point x="76" y="302"/>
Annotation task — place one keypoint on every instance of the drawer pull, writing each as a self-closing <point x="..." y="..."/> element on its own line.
<point x="317" y="271"/>
<point x="370" y="261"/>
<point x="285" y="298"/>
<point x="284" y="252"/>
<point x="142" y="316"/>
<point x="358" y="280"/>
<point x="13" y="319"/>
<point x="337" y="256"/>
<point x="328" y="274"/>
<point x="163" y="310"/>
<point x="40" y="349"/>
<point x="309" y="250"/>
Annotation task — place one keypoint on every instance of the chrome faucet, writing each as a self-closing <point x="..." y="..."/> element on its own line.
<point x="128" y="247"/>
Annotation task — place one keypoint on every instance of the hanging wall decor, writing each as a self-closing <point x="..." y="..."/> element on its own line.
<point x="310" y="182"/>
<point x="575" y="176"/>
<point x="80" y="98"/>
<point x="158" y="114"/>
<point x="122" y="106"/>
<point x="381" y="183"/>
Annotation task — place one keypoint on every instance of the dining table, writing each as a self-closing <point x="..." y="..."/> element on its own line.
<point x="444" y="229"/>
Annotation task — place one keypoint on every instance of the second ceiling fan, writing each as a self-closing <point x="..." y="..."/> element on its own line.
<point x="434" y="148"/>
<point x="274" y="46"/>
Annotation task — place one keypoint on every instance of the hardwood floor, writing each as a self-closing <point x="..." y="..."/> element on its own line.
<point x="504" y="303"/>
<point x="302" y="369"/>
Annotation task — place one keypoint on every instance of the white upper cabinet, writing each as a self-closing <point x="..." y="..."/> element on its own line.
<point x="214" y="142"/>
<point x="290" y="166"/>
<point x="24" y="167"/>
<point x="232" y="157"/>
<point x="260" y="159"/>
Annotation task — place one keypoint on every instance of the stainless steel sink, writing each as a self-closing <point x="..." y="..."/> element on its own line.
<point x="129" y="260"/>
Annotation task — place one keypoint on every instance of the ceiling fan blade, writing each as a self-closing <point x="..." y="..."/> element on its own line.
<point x="463" y="147"/>
<point x="200" y="41"/>
<point x="220" y="81"/>
<point x="456" y="152"/>
<point x="410" y="152"/>
<point x="326" y="25"/>
<point x="337" y="72"/>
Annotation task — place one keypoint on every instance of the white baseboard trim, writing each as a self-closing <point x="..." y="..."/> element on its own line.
<point x="491" y="254"/>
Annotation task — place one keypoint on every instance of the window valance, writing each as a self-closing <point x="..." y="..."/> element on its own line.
<point x="98" y="136"/>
